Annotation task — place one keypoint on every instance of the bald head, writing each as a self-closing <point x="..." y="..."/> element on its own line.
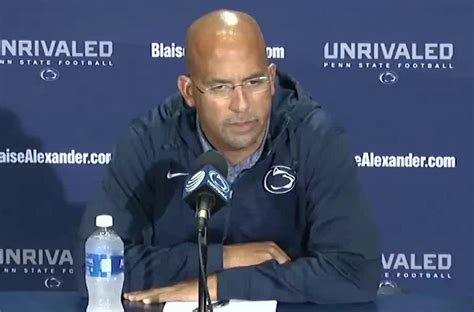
<point x="219" y="31"/>
<point x="229" y="83"/>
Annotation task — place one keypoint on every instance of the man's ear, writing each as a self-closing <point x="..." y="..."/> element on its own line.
<point x="185" y="88"/>
<point x="272" y="73"/>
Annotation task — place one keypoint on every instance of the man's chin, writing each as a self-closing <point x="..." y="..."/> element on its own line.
<point x="242" y="144"/>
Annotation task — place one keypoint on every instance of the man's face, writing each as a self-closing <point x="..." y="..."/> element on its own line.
<point x="238" y="119"/>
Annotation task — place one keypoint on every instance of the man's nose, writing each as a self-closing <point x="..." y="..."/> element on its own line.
<point x="239" y="102"/>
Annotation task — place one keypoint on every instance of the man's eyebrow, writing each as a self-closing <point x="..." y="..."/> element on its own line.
<point x="214" y="81"/>
<point x="255" y="75"/>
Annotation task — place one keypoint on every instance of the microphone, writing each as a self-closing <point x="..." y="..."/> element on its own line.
<point x="207" y="190"/>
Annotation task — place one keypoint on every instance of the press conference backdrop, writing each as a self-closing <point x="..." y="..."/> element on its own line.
<point x="397" y="74"/>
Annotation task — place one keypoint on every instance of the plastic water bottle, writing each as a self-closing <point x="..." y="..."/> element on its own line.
<point x="104" y="268"/>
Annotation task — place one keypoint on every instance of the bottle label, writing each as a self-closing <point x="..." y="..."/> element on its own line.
<point x="99" y="265"/>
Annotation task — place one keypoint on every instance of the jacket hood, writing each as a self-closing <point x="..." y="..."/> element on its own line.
<point x="290" y="104"/>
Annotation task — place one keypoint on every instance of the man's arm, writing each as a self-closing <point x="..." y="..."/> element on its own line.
<point x="238" y="255"/>
<point x="343" y="260"/>
<point x="127" y="193"/>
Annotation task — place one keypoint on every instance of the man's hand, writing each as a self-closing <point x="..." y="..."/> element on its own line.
<point x="241" y="255"/>
<point x="184" y="291"/>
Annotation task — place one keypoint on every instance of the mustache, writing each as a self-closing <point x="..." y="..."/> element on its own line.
<point x="240" y="119"/>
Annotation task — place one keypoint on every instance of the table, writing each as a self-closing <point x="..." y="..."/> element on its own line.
<point x="38" y="301"/>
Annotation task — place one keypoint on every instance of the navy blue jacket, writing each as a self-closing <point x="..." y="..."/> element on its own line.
<point x="304" y="194"/>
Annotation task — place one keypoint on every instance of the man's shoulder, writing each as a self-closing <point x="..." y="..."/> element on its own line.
<point x="311" y="119"/>
<point x="304" y="112"/>
<point x="160" y="116"/>
<point x="321" y="121"/>
<point x="157" y="129"/>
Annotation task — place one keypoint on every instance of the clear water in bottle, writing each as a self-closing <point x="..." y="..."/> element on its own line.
<point x="104" y="268"/>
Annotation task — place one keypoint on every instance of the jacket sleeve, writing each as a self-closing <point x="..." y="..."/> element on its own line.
<point x="342" y="264"/>
<point x="127" y="193"/>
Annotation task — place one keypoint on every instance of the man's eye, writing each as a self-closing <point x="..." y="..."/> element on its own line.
<point x="220" y="88"/>
<point x="254" y="82"/>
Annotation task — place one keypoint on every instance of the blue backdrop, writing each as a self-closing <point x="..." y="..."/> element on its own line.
<point x="397" y="74"/>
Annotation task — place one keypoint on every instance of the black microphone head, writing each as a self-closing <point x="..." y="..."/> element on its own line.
<point x="209" y="179"/>
<point x="214" y="159"/>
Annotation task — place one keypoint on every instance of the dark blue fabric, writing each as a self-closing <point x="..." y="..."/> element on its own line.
<point x="323" y="223"/>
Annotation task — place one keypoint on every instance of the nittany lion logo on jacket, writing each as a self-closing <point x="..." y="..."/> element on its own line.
<point x="279" y="180"/>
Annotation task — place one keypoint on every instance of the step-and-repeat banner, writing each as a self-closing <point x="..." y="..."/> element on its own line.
<point x="397" y="74"/>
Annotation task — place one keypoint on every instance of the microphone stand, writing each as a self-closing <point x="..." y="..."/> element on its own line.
<point x="203" y="271"/>
<point x="203" y="207"/>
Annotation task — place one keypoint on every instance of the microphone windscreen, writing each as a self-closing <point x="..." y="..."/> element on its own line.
<point x="214" y="159"/>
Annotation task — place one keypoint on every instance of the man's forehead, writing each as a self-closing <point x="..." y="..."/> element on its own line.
<point x="230" y="71"/>
<point x="235" y="59"/>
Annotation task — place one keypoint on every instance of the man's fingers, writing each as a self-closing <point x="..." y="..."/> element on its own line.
<point x="184" y="291"/>
<point x="125" y="295"/>
<point x="278" y="254"/>
<point x="151" y="300"/>
<point x="145" y="294"/>
<point x="133" y="293"/>
<point x="166" y="294"/>
<point x="130" y="296"/>
<point x="281" y="258"/>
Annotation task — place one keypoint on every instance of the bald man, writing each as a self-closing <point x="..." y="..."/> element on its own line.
<point x="297" y="228"/>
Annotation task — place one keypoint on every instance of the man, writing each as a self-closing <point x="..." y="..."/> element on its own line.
<point x="297" y="228"/>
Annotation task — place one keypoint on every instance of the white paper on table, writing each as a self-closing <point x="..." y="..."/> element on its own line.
<point x="233" y="306"/>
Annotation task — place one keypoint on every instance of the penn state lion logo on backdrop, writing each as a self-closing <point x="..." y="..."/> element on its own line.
<point x="279" y="180"/>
